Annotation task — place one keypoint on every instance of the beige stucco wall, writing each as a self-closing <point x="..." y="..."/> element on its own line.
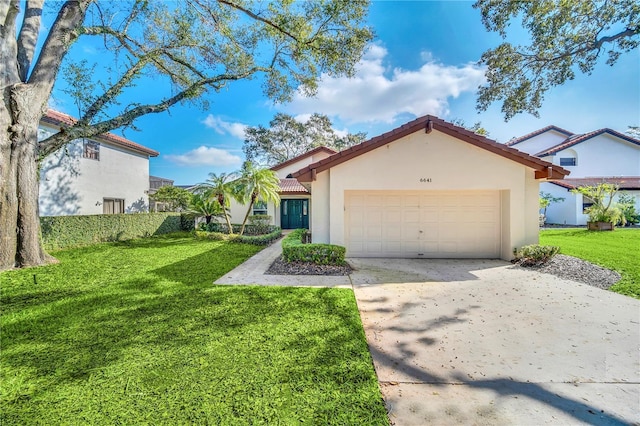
<point x="430" y="162"/>
<point x="302" y="163"/>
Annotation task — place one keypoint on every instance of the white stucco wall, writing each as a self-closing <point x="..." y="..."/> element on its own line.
<point x="73" y="185"/>
<point x="602" y="155"/>
<point x="540" y="142"/>
<point x="449" y="163"/>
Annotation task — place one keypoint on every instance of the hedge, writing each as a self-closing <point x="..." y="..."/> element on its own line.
<point x="258" y="240"/>
<point x="73" y="231"/>
<point x="293" y="250"/>
<point x="249" y="229"/>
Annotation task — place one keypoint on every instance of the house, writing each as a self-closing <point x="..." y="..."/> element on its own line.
<point x="600" y="156"/>
<point x="427" y="189"/>
<point x="103" y="175"/>
<point x="293" y="211"/>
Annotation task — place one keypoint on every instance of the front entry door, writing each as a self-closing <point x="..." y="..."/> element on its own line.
<point x="294" y="214"/>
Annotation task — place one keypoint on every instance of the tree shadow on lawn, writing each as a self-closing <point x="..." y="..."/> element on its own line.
<point x="152" y="338"/>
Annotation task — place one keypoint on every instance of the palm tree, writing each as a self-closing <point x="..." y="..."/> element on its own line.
<point x="220" y="188"/>
<point x="203" y="204"/>
<point x="256" y="184"/>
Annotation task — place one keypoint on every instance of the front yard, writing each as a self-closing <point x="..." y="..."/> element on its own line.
<point x="135" y="332"/>
<point x="618" y="250"/>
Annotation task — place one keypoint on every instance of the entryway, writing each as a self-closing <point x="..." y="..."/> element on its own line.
<point x="294" y="213"/>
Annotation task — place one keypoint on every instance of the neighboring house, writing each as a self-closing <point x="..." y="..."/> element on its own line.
<point x="156" y="183"/>
<point x="295" y="200"/>
<point x="103" y="175"/>
<point x="600" y="156"/>
<point x="428" y="189"/>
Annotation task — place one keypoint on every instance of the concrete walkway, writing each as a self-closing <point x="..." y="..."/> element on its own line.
<point x="252" y="272"/>
<point x="479" y="342"/>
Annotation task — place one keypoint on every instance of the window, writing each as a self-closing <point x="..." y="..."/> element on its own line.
<point x="91" y="150"/>
<point x="260" y="207"/>
<point x="112" y="205"/>
<point x="586" y="203"/>
<point x="567" y="161"/>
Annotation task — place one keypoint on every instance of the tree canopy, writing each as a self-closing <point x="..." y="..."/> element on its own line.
<point x="193" y="48"/>
<point x="174" y="198"/>
<point x="286" y="138"/>
<point x="566" y="37"/>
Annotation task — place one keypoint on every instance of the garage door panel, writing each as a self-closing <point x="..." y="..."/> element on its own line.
<point x="423" y="224"/>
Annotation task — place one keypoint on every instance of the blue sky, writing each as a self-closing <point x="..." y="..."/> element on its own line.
<point x="422" y="61"/>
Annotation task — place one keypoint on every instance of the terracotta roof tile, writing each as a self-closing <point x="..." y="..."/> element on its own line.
<point x="60" y="119"/>
<point x="536" y="133"/>
<point x="292" y="186"/>
<point x="427" y="123"/>
<point x="623" y="182"/>
<point x="576" y="139"/>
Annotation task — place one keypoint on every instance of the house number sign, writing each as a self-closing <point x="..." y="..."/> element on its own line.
<point x="423" y="180"/>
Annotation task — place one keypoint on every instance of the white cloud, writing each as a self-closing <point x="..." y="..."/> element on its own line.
<point x="377" y="95"/>
<point x="225" y="127"/>
<point x="205" y="156"/>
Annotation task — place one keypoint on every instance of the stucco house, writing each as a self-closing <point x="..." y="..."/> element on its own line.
<point x="104" y="175"/>
<point x="427" y="189"/>
<point x="293" y="211"/>
<point x="603" y="155"/>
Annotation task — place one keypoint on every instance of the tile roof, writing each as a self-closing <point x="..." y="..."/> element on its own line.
<point x="427" y="123"/>
<point x="60" y="119"/>
<point x="301" y="156"/>
<point x="623" y="182"/>
<point x="292" y="186"/>
<point x="576" y="139"/>
<point x="538" y="132"/>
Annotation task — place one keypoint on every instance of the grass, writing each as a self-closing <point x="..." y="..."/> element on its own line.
<point x="135" y="333"/>
<point x="618" y="250"/>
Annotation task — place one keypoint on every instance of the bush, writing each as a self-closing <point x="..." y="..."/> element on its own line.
<point x="534" y="254"/>
<point x="258" y="224"/>
<point x="248" y="230"/>
<point x="294" y="250"/>
<point x="74" y="231"/>
<point x="258" y="240"/>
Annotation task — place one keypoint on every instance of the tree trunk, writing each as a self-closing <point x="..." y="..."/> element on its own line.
<point x="21" y="243"/>
<point x="246" y="216"/>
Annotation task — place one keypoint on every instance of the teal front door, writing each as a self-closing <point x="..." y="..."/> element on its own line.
<point x="294" y="214"/>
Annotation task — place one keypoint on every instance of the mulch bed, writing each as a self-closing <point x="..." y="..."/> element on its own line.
<point x="280" y="267"/>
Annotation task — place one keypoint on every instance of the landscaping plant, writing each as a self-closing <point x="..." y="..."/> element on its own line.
<point x="604" y="209"/>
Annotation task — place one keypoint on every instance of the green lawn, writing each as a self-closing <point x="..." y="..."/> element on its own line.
<point x="135" y="333"/>
<point x="618" y="250"/>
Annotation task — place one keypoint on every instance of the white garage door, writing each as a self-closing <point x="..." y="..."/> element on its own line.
<point x="423" y="224"/>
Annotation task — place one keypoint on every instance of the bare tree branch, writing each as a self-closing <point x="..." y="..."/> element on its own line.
<point x="28" y="36"/>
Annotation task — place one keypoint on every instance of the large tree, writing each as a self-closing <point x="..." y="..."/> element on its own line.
<point x="566" y="36"/>
<point x="191" y="47"/>
<point x="286" y="138"/>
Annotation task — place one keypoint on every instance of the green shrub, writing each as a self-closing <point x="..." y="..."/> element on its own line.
<point x="293" y="250"/>
<point x="534" y="254"/>
<point x="74" y="231"/>
<point x="187" y="221"/>
<point x="259" y="240"/>
<point x="258" y="224"/>
<point x="248" y="230"/>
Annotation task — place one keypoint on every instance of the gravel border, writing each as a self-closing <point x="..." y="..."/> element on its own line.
<point x="575" y="269"/>
<point x="280" y="267"/>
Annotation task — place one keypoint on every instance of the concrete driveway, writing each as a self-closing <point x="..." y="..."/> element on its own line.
<point x="479" y="342"/>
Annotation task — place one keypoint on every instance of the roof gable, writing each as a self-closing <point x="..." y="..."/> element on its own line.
<point x="59" y="119"/>
<point x="576" y="139"/>
<point x="537" y="133"/>
<point x="302" y="157"/>
<point x="428" y="123"/>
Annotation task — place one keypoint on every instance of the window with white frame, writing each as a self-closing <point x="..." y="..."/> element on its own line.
<point x="568" y="161"/>
<point x="260" y="207"/>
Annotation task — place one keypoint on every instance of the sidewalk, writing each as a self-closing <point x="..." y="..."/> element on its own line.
<point x="253" y="272"/>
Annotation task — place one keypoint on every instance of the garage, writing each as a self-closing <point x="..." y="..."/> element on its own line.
<point x="423" y="224"/>
<point x="427" y="189"/>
